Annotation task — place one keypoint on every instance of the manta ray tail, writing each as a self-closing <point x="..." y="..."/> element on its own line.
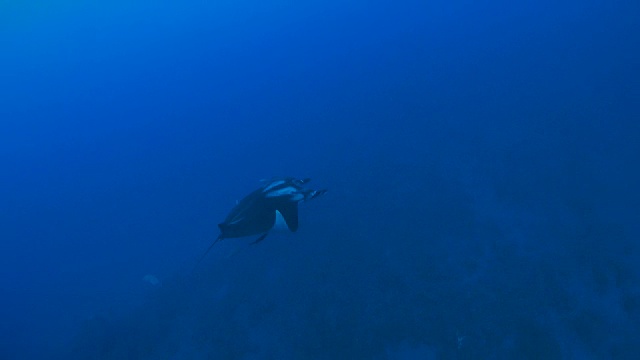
<point x="206" y="252"/>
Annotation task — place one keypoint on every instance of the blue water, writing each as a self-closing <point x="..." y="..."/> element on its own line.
<point x="481" y="159"/>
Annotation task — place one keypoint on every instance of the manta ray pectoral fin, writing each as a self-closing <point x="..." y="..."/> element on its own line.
<point x="260" y="238"/>
<point x="290" y="214"/>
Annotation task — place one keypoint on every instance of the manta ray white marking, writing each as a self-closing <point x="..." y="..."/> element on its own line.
<point x="237" y="220"/>
<point x="280" y="224"/>
<point x="284" y="191"/>
<point x="273" y="184"/>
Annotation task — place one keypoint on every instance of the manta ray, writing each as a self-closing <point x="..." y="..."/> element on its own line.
<point x="272" y="206"/>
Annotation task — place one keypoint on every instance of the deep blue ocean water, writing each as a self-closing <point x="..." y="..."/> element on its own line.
<point x="481" y="159"/>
